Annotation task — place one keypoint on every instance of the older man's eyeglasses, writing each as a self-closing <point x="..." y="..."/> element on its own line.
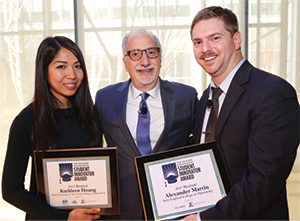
<point x="137" y="54"/>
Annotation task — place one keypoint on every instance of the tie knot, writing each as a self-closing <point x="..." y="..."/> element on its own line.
<point x="144" y="95"/>
<point x="216" y="92"/>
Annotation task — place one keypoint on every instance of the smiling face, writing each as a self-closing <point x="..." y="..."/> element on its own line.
<point x="215" y="48"/>
<point x="64" y="76"/>
<point x="144" y="73"/>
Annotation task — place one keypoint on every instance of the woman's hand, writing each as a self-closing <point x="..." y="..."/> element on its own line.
<point x="87" y="214"/>
<point x="192" y="217"/>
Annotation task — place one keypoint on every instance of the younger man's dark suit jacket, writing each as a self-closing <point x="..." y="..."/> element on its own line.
<point x="258" y="133"/>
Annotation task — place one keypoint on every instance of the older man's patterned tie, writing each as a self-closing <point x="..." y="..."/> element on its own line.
<point x="143" y="126"/>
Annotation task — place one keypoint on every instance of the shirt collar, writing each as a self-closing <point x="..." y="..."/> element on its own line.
<point x="226" y="83"/>
<point x="154" y="93"/>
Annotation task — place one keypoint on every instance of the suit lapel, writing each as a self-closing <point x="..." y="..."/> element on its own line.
<point x="235" y="90"/>
<point x="121" y="105"/>
<point x="168" y="103"/>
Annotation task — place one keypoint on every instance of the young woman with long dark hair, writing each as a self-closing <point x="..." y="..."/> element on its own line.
<point x="61" y="115"/>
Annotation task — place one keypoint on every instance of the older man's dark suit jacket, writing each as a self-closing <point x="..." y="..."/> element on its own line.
<point x="178" y="102"/>
<point x="258" y="133"/>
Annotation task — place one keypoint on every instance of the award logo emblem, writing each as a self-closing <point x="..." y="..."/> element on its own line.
<point x="66" y="171"/>
<point x="170" y="172"/>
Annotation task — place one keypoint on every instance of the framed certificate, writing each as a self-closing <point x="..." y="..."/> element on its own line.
<point x="78" y="178"/>
<point x="181" y="181"/>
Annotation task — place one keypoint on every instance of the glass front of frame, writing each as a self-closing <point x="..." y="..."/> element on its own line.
<point x="181" y="181"/>
<point x="79" y="178"/>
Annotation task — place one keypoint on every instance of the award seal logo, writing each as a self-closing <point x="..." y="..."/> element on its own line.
<point x="170" y="172"/>
<point x="66" y="171"/>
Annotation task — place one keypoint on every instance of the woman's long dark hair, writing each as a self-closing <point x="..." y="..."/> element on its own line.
<point x="44" y="102"/>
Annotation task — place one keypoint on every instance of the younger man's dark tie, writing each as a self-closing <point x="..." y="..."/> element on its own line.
<point x="213" y="116"/>
<point x="143" y="126"/>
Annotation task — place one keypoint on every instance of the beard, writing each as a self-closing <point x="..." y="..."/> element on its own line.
<point x="146" y="78"/>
